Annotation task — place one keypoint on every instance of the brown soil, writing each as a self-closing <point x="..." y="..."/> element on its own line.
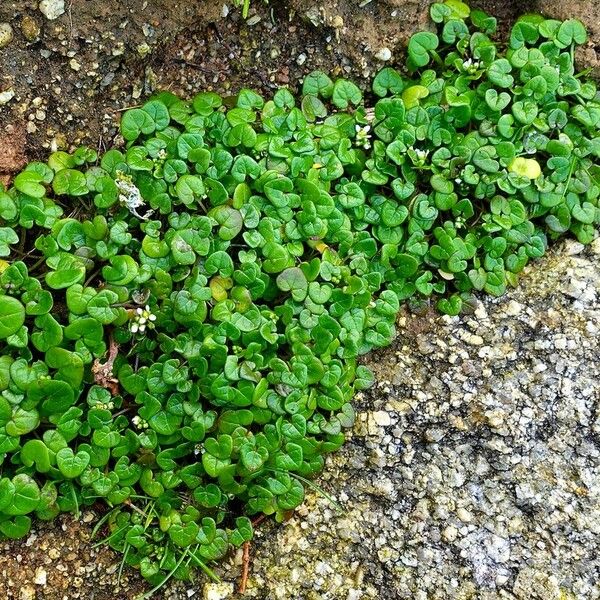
<point x="58" y="561"/>
<point x="71" y="82"/>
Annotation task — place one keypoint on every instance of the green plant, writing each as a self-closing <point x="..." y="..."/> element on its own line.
<point x="181" y="319"/>
<point x="245" y="5"/>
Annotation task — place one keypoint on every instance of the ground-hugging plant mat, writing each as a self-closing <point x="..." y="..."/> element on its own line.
<point x="472" y="470"/>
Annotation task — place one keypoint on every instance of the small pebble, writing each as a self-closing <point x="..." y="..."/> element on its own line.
<point x="381" y="417"/>
<point x="337" y="22"/>
<point x="6" y="96"/>
<point x="52" y="9"/>
<point x="30" y="28"/>
<point x="40" y="576"/>
<point x="27" y="592"/>
<point x="217" y="591"/>
<point x="450" y="533"/>
<point x="383" y="54"/>
<point x="6" y="34"/>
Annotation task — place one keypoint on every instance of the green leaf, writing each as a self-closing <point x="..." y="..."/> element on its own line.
<point x="136" y="122"/>
<point x="346" y="93"/>
<point x="12" y="316"/>
<point x="72" y="465"/>
<point x="100" y="306"/>
<point x="499" y="73"/>
<point x="158" y="113"/>
<point x="70" y="182"/>
<point x="29" y="183"/>
<point x="420" y="47"/>
<point x="388" y="81"/>
<point x="189" y="188"/>
<point x="293" y="280"/>
<point x="36" y="452"/>
<point x="19" y="496"/>
<point x="318" y="83"/>
<point x="570" y="32"/>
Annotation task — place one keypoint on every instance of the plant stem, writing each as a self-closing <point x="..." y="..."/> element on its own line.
<point x="168" y="576"/>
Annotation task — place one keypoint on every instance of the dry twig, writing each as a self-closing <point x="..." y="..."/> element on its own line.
<point x="103" y="373"/>
<point x="246" y="558"/>
<point x="245" y="567"/>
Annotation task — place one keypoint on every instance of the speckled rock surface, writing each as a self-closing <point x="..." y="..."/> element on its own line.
<point x="473" y="470"/>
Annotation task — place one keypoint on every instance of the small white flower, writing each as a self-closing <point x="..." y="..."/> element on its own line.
<point x="470" y="65"/>
<point x="142" y="319"/>
<point x="139" y="423"/>
<point x="363" y="136"/>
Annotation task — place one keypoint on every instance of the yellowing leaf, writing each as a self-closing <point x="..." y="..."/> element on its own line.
<point x="412" y="95"/>
<point x="525" y="167"/>
<point x="460" y="10"/>
<point x="219" y="286"/>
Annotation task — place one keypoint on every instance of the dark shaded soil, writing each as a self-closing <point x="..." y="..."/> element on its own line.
<point x="58" y="561"/>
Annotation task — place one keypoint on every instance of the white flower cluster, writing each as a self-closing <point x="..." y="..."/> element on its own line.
<point x="143" y="318"/>
<point x="130" y="196"/>
<point x="363" y="137"/>
<point x="105" y="405"/>
<point x="139" y="422"/>
<point x="421" y="154"/>
<point x="470" y="65"/>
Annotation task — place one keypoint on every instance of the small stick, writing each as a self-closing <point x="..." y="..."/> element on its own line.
<point x="259" y="520"/>
<point x="127" y="107"/>
<point x="245" y="567"/>
<point x="246" y="557"/>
